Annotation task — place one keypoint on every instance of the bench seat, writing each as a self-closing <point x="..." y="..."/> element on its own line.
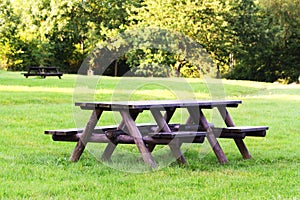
<point x="163" y="138"/>
<point x="74" y="131"/>
<point x="185" y="133"/>
<point x="241" y="131"/>
<point x="143" y="128"/>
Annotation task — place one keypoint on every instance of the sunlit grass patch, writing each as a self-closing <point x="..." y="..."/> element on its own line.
<point x="12" y="88"/>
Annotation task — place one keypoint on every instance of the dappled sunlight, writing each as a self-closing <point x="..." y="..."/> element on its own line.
<point x="12" y="88"/>
<point x="286" y="97"/>
<point x="246" y="83"/>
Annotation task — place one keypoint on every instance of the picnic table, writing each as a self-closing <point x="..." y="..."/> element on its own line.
<point x="146" y="137"/>
<point x="43" y="72"/>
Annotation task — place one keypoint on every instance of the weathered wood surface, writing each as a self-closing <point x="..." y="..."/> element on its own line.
<point x="238" y="141"/>
<point x="243" y="131"/>
<point x="147" y="136"/>
<point x="163" y="126"/>
<point x="161" y="104"/>
<point x="198" y="117"/>
<point x="111" y="146"/>
<point x="85" y="137"/>
<point x="162" y="138"/>
<point x="178" y="130"/>
<point x="138" y="140"/>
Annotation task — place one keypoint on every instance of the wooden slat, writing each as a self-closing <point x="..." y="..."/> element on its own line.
<point x="111" y="146"/>
<point x="238" y="141"/>
<point x="163" y="125"/>
<point x="181" y="134"/>
<point x="245" y="129"/>
<point x="241" y="131"/>
<point x="138" y="140"/>
<point x="85" y="137"/>
<point x="228" y="132"/>
<point x="126" y="139"/>
<point x="160" y="104"/>
<point x="66" y="132"/>
<point x="73" y="131"/>
<point x="198" y="117"/>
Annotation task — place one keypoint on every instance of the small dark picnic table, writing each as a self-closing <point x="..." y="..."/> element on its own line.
<point x="194" y="130"/>
<point x="43" y="72"/>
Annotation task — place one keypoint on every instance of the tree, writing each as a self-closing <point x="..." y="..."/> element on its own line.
<point x="9" y="36"/>
<point x="203" y="21"/>
<point x="284" y="25"/>
<point x="269" y="49"/>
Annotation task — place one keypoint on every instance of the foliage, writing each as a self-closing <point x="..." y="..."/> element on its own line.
<point x="257" y="40"/>
<point x="203" y="21"/>
<point x="273" y="45"/>
<point x="9" y="36"/>
<point x="149" y="63"/>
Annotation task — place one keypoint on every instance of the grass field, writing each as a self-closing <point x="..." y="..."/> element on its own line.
<point x="35" y="167"/>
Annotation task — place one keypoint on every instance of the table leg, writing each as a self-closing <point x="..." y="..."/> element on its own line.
<point x="90" y="126"/>
<point x="138" y="139"/>
<point x="111" y="146"/>
<point x="189" y="120"/>
<point x="199" y="118"/>
<point x="174" y="144"/>
<point x="167" y="116"/>
<point x="150" y="147"/>
<point x="239" y="142"/>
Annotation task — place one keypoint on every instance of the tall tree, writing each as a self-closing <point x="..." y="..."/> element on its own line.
<point x="269" y="49"/>
<point x="284" y="26"/>
<point x="9" y="36"/>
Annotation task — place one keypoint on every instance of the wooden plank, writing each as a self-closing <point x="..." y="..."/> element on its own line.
<point x="86" y="135"/>
<point x="127" y="139"/>
<point x="242" y="131"/>
<point x="167" y="116"/>
<point x="73" y="131"/>
<point x="160" y="104"/>
<point x="239" y="142"/>
<point x="176" y="131"/>
<point x="245" y="129"/>
<point x="109" y="149"/>
<point x="143" y="128"/>
<point x="111" y="146"/>
<point x="96" y="138"/>
<point x="174" y="144"/>
<point x="198" y="116"/>
<point x="257" y="133"/>
<point x="135" y="133"/>
<point x="180" y="134"/>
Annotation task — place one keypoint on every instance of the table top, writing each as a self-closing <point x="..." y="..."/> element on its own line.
<point x="146" y="105"/>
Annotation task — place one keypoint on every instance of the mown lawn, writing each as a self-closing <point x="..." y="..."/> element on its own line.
<point x="35" y="167"/>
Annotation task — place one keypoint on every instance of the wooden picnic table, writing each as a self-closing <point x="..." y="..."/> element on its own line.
<point x="43" y="72"/>
<point x="146" y="137"/>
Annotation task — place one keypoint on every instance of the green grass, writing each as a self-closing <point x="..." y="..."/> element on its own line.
<point x="35" y="167"/>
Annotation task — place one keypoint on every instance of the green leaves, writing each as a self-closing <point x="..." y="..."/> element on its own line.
<point x="256" y="40"/>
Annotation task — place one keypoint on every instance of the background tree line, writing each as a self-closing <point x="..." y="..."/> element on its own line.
<point x="256" y="40"/>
